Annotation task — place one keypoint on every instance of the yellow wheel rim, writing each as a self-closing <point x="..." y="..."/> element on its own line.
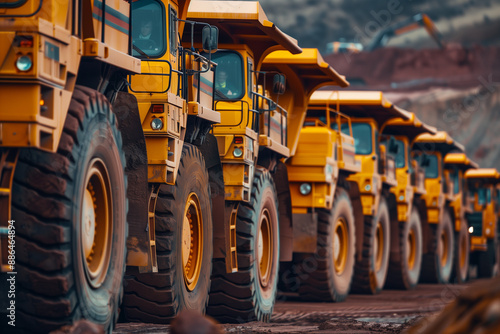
<point x="463" y="251"/>
<point x="97" y="223"/>
<point x="340" y="245"/>
<point x="265" y="248"/>
<point x="412" y="249"/>
<point x="443" y="247"/>
<point x="192" y="241"/>
<point x="379" y="246"/>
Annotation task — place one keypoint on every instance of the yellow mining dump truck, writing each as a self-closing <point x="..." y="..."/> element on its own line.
<point x="245" y="270"/>
<point x="406" y="231"/>
<point x="455" y="167"/>
<point x="438" y="232"/>
<point x="305" y="73"/>
<point x="63" y="201"/>
<point x="173" y="162"/>
<point x="69" y="129"/>
<point x="374" y="204"/>
<point x="483" y="220"/>
<point x="259" y="115"/>
<point x="323" y="218"/>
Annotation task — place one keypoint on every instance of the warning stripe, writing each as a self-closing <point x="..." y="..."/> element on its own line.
<point x="114" y="18"/>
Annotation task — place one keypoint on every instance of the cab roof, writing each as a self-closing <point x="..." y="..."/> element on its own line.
<point x="409" y="128"/>
<point x="440" y="141"/>
<point x="309" y="66"/>
<point x="371" y="104"/>
<point x="486" y="174"/>
<point x="461" y="160"/>
<point x="243" y="22"/>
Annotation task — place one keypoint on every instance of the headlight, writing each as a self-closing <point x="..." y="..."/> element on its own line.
<point x="305" y="188"/>
<point x="156" y="124"/>
<point x="471" y="229"/>
<point x="237" y="152"/>
<point x="401" y="197"/>
<point x="24" y="63"/>
<point x="368" y="187"/>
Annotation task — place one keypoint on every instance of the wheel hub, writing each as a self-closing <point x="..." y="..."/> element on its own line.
<point x="378" y="246"/>
<point x="443" y="248"/>
<point x="412" y="249"/>
<point x="88" y="223"/>
<point x="264" y="248"/>
<point x="340" y="244"/>
<point x="192" y="241"/>
<point x="96" y="230"/>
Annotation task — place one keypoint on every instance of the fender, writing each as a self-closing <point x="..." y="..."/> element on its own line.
<point x="210" y="152"/>
<point x="280" y="177"/>
<point x="134" y="144"/>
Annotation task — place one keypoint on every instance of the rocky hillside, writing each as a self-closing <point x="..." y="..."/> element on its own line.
<point x="316" y="22"/>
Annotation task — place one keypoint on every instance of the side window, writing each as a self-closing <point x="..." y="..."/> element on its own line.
<point x="488" y="195"/>
<point x="481" y="196"/>
<point x="432" y="170"/>
<point x="148" y="27"/>
<point x="362" y="133"/>
<point x="456" y="182"/>
<point x="172" y="31"/>
<point x="229" y="75"/>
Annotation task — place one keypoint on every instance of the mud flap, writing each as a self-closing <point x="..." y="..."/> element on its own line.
<point x="134" y="145"/>
<point x="305" y="232"/>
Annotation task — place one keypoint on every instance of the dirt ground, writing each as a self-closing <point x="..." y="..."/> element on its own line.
<point x="391" y="311"/>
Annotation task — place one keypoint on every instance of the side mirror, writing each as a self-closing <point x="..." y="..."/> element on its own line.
<point x="279" y="84"/>
<point x="210" y="39"/>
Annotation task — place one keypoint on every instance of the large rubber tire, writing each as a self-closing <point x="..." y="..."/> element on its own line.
<point x="460" y="272"/>
<point x="158" y="297"/>
<point x="488" y="263"/>
<point x="437" y="264"/>
<point x="406" y="257"/>
<point x="70" y="209"/>
<point x="370" y="272"/>
<point x="249" y="294"/>
<point x="327" y="275"/>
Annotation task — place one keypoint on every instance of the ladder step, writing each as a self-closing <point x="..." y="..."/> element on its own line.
<point x="4" y="191"/>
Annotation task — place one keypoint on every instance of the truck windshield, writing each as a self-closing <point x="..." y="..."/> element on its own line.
<point x="229" y="78"/>
<point x="432" y="170"/>
<point x="11" y="3"/>
<point x="148" y="29"/>
<point x="362" y="133"/>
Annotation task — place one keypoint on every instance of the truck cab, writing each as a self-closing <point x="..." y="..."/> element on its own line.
<point x="406" y="228"/>
<point x="483" y="220"/>
<point x="456" y="165"/>
<point x="439" y="240"/>
<point x="369" y="112"/>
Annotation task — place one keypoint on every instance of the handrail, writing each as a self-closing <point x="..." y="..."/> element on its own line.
<point x="169" y="75"/>
<point x="243" y="103"/>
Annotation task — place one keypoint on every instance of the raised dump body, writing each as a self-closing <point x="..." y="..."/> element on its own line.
<point x="456" y="165"/>
<point x="406" y="229"/>
<point x="483" y="220"/>
<point x="438" y="232"/>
